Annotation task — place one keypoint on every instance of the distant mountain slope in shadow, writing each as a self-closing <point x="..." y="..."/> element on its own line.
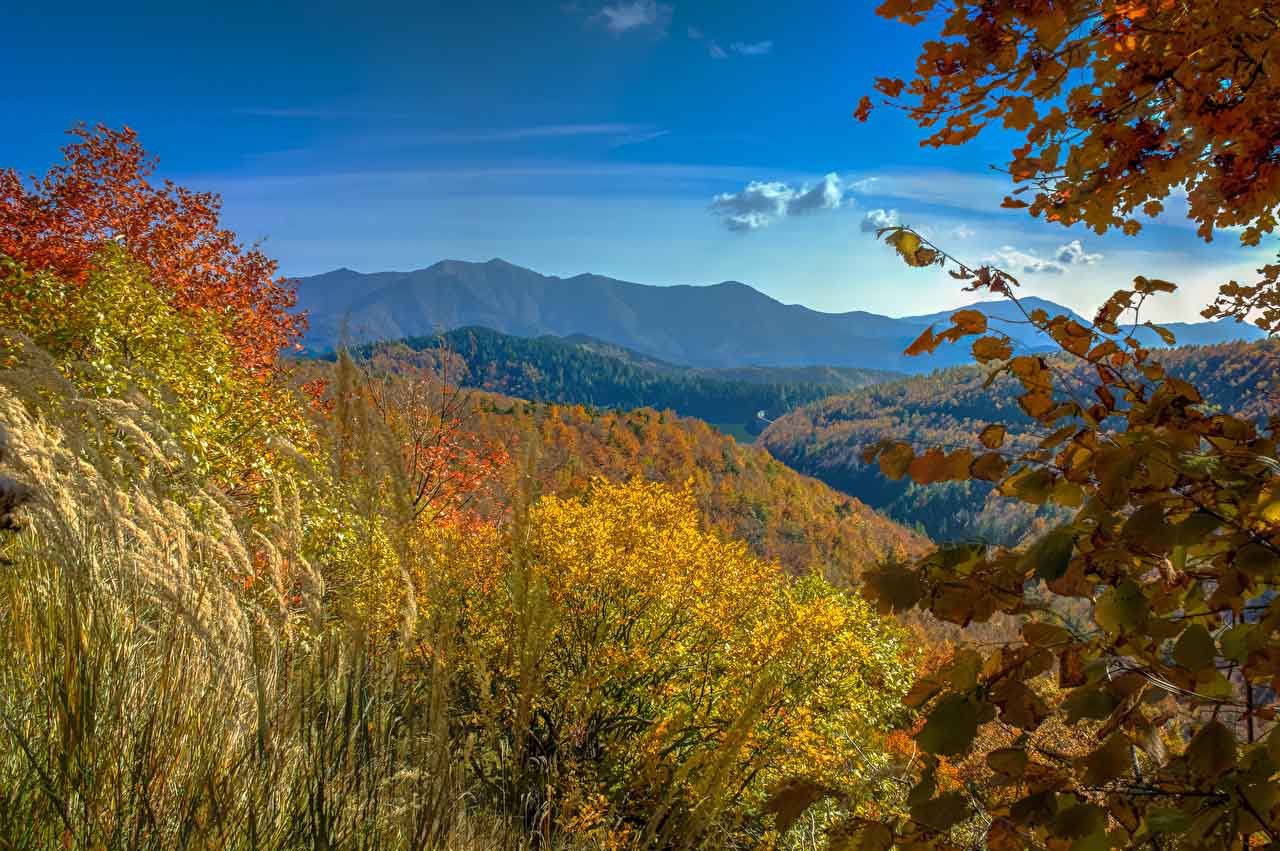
<point x="722" y="325"/>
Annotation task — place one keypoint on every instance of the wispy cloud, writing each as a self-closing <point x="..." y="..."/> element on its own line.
<point x="533" y="179"/>
<point x="639" y="138"/>
<point x="543" y="131"/>
<point x="874" y="220"/>
<point x="742" y="48"/>
<point x="759" y="48"/>
<point x="761" y="204"/>
<point x="318" y="112"/>
<point x="953" y="189"/>
<point x="635" y="15"/>
<point x="1030" y="263"/>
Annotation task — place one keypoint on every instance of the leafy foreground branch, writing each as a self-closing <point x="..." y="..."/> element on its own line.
<point x="1148" y="621"/>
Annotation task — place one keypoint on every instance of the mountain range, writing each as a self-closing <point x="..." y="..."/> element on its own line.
<point x="722" y="325"/>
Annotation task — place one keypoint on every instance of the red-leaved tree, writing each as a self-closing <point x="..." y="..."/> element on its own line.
<point x="102" y="190"/>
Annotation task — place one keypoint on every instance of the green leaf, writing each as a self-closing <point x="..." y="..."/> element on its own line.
<point x="1167" y="820"/>
<point x="1050" y="555"/>
<point x="1257" y="560"/>
<point x="1195" y="529"/>
<point x="1241" y="640"/>
<point x="1078" y="822"/>
<point x="860" y="835"/>
<point x="1123" y="608"/>
<point x="1212" y="751"/>
<point x="1147" y="529"/>
<point x="951" y="726"/>
<point x="943" y="812"/>
<point x="1195" y="648"/>
<point x="1011" y="762"/>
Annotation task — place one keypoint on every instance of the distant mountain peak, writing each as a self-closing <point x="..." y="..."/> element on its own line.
<point x="729" y="324"/>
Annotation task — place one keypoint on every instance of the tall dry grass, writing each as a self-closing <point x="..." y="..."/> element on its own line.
<point x="147" y="700"/>
<point x="145" y="703"/>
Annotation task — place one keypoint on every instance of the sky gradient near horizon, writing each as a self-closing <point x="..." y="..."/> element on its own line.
<point x="660" y="143"/>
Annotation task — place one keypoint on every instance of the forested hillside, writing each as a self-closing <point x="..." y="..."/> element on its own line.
<point x="745" y="493"/>
<point x="583" y="371"/>
<point x="948" y="408"/>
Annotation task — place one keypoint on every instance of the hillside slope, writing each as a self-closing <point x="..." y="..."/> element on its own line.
<point x="949" y="407"/>
<point x="747" y="493"/>
<point x="587" y="372"/>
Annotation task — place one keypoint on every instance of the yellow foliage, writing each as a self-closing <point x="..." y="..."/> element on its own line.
<point x="639" y="647"/>
<point x="114" y="333"/>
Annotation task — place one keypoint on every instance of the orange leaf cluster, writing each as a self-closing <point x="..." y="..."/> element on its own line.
<point x="103" y="191"/>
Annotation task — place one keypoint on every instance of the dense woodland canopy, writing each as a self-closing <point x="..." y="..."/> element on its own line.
<point x="949" y="408"/>
<point x="588" y="372"/>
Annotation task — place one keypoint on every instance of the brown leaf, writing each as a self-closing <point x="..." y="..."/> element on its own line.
<point x="970" y="321"/>
<point x="926" y="342"/>
<point x="987" y="349"/>
<point x="989" y="467"/>
<point x="929" y="468"/>
<point x="895" y="460"/>
<point x="791" y="799"/>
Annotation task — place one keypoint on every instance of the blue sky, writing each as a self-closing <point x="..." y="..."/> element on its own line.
<point x="661" y="143"/>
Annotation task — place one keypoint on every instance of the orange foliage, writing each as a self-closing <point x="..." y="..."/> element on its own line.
<point x="101" y="191"/>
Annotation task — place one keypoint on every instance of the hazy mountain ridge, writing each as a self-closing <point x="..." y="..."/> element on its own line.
<point x="718" y="326"/>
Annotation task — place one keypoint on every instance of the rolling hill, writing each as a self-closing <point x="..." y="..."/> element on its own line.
<point x="585" y="371"/>
<point x="949" y="407"/>
<point x="724" y="325"/>
<point x="747" y="494"/>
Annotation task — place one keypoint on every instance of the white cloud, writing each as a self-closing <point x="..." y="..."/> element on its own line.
<point x="826" y="194"/>
<point x="759" y="48"/>
<point x="624" y="17"/>
<point x="962" y="232"/>
<point x="1025" y="262"/>
<point x="1073" y="254"/>
<point x="1030" y="263"/>
<point x="716" y="51"/>
<point x="939" y="187"/>
<point x="761" y="204"/>
<point x="695" y="34"/>
<point x="874" y="220"/>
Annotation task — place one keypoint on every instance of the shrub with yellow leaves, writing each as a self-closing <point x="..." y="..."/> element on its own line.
<point x="620" y="648"/>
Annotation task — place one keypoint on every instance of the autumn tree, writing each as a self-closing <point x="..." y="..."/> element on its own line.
<point x="1149" y="619"/>
<point x="1126" y="108"/>
<point x="103" y="191"/>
